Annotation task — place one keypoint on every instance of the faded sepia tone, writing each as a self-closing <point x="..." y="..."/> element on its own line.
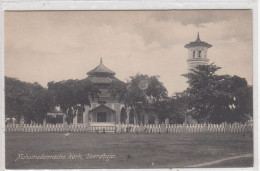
<point x="128" y="89"/>
<point x="43" y="46"/>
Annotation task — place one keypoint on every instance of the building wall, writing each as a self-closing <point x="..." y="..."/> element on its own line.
<point x="194" y="61"/>
<point x="115" y="106"/>
<point x="196" y="50"/>
<point x="193" y="64"/>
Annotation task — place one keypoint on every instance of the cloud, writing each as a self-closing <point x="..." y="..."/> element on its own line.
<point x="199" y="17"/>
<point x="55" y="45"/>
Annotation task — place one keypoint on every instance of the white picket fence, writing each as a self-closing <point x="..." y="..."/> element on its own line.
<point x="123" y="128"/>
<point x="57" y="128"/>
<point x="181" y="128"/>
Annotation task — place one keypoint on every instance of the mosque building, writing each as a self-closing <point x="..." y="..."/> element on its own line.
<point x="105" y="109"/>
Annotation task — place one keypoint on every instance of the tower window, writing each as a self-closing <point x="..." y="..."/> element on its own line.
<point x="194" y="54"/>
<point x="199" y="53"/>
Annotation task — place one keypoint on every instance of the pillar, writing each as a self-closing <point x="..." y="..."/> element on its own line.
<point x="75" y="119"/>
<point x="146" y="119"/>
<point x="85" y="115"/>
<point x="156" y="121"/>
<point x="135" y="120"/>
<point x="64" y="118"/>
<point x="117" y="108"/>
<point x="44" y="122"/>
<point x="22" y="120"/>
<point x="167" y="121"/>
<point x="128" y="116"/>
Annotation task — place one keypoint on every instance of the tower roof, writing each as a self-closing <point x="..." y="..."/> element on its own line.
<point x="101" y="69"/>
<point x="198" y="42"/>
<point x="198" y="38"/>
<point x="102" y="75"/>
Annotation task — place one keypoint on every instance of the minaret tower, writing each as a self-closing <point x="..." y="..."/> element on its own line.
<point x="197" y="53"/>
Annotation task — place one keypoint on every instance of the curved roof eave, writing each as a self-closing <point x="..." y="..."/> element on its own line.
<point x="101" y="69"/>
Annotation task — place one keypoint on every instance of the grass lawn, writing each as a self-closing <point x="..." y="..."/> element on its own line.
<point x="130" y="150"/>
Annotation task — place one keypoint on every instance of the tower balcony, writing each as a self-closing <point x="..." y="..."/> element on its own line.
<point x="203" y="60"/>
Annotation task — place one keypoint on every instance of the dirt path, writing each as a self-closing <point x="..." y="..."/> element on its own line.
<point x="221" y="160"/>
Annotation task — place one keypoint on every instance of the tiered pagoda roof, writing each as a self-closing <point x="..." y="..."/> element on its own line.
<point x="101" y="75"/>
<point x="198" y="42"/>
<point x="101" y="69"/>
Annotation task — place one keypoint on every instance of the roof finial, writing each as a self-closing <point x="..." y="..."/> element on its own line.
<point x="101" y="60"/>
<point x="198" y="37"/>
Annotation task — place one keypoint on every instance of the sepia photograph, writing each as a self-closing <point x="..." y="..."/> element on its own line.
<point x="140" y="89"/>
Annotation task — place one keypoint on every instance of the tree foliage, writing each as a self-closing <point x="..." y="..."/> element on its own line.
<point x="139" y="93"/>
<point x="210" y="98"/>
<point x="72" y="96"/>
<point x="218" y="98"/>
<point x="30" y="100"/>
<point x="178" y="107"/>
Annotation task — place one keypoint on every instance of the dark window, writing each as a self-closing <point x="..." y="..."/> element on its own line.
<point x="193" y="54"/>
<point x="199" y="53"/>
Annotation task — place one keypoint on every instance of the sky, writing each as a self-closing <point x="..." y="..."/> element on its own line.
<point x="44" y="46"/>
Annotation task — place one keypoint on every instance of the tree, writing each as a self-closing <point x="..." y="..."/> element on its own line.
<point x="25" y="99"/>
<point x="139" y="93"/>
<point x="40" y="103"/>
<point x="161" y="109"/>
<point x="72" y="96"/>
<point x="217" y="98"/>
<point x="14" y="97"/>
<point x="178" y="105"/>
<point x="241" y="103"/>
<point x="118" y="89"/>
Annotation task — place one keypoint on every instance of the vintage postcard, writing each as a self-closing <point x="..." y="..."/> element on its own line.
<point x="140" y="89"/>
